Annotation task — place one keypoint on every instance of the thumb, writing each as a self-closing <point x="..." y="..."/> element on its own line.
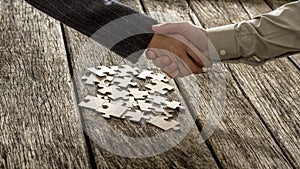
<point x="166" y="28"/>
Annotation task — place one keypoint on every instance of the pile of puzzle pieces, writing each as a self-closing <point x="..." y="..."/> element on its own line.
<point x="119" y="96"/>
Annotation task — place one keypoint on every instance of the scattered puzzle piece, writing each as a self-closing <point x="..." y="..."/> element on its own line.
<point x="159" y="77"/>
<point x="127" y="71"/>
<point x="160" y="122"/>
<point x="144" y="106"/>
<point x="157" y="108"/>
<point x="144" y="74"/>
<point x="138" y="94"/>
<point x="114" y="92"/>
<point x="159" y="87"/>
<point x="107" y="70"/>
<point x="168" y="114"/>
<point x="102" y="72"/>
<point x="91" y="79"/>
<point x="136" y="115"/>
<point x="173" y="105"/>
<point x="157" y="99"/>
<point x="109" y="109"/>
<point x="92" y="102"/>
<point x="154" y="77"/>
<point x="124" y="82"/>
<point x="94" y="79"/>
<point x="128" y="103"/>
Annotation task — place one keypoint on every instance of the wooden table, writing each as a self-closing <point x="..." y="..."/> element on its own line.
<point x="41" y="126"/>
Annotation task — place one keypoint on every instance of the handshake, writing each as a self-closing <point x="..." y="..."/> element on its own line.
<point x="179" y="49"/>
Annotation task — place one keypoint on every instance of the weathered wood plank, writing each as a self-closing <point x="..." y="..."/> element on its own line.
<point x="242" y="141"/>
<point x="277" y="3"/>
<point x="39" y="127"/>
<point x="281" y="112"/>
<point x="188" y="153"/>
<point x="271" y="88"/>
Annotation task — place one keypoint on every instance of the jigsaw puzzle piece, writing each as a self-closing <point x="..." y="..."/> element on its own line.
<point x="159" y="77"/>
<point x="93" y="79"/>
<point x="130" y="102"/>
<point x="136" y="115"/>
<point x="131" y="70"/>
<point x="144" y="74"/>
<point x="115" y="110"/>
<point x="144" y="106"/>
<point x="92" y="102"/>
<point x="157" y="108"/>
<point x="157" y="99"/>
<point x="113" y="92"/>
<point x="173" y="105"/>
<point x="102" y="71"/>
<point x="160" y="122"/>
<point x="168" y="114"/>
<point x="110" y="71"/>
<point x="154" y="77"/>
<point x="159" y="87"/>
<point x="127" y="71"/>
<point x="124" y="82"/>
<point x="138" y="94"/>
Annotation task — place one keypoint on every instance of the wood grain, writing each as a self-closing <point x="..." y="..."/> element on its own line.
<point x="188" y="153"/>
<point x="242" y="140"/>
<point x="39" y="127"/>
<point x="272" y="88"/>
<point x="279" y="97"/>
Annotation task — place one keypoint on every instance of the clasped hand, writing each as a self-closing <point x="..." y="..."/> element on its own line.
<point x="179" y="49"/>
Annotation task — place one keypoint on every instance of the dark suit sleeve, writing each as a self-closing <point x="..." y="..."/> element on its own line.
<point x="114" y="25"/>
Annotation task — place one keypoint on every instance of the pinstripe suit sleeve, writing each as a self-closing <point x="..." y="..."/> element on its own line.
<point x="89" y="16"/>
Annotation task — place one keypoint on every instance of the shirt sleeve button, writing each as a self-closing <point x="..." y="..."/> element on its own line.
<point x="223" y="52"/>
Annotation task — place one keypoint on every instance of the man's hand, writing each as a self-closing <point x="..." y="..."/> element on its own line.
<point x="185" y="49"/>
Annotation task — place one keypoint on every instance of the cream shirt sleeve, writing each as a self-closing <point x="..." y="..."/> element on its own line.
<point x="268" y="36"/>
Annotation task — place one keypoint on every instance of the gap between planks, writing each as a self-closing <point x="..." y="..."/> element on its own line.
<point x="75" y="93"/>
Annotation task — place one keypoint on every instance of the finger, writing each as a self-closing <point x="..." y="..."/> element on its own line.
<point x="200" y="58"/>
<point x="170" y="68"/>
<point x="187" y="65"/>
<point x="175" y="27"/>
<point x="173" y="74"/>
<point x="150" y="54"/>
<point x="162" y="61"/>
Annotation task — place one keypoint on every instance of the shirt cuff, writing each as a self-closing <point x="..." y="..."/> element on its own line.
<point x="224" y="41"/>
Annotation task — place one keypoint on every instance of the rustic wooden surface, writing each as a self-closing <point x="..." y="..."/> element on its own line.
<point x="268" y="87"/>
<point x="281" y="113"/>
<point x="40" y="127"/>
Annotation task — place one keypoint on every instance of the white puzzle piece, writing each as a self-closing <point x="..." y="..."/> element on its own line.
<point x="92" y="102"/>
<point x="114" y="92"/>
<point x="127" y="71"/>
<point x="154" y="77"/>
<point x="159" y="87"/>
<point x="138" y="94"/>
<point x="109" y="109"/>
<point x="136" y="115"/>
<point x="123" y="82"/>
<point x="160" y="122"/>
